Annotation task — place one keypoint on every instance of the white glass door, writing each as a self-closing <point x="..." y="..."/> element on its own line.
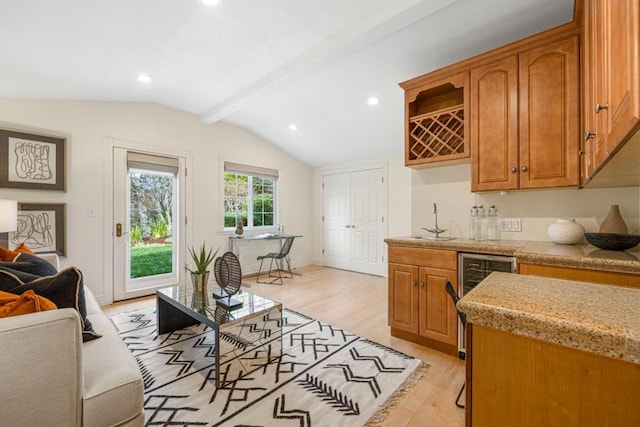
<point x="147" y="232"/>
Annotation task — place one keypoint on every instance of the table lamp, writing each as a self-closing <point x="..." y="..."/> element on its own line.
<point x="8" y="218"/>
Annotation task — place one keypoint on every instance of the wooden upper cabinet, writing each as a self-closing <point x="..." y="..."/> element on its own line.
<point x="435" y="120"/>
<point x="611" y="72"/>
<point x="494" y="125"/>
<point x="549" y="119"/>
<point x="525" y="119"/>
<point x="621" y="30"/>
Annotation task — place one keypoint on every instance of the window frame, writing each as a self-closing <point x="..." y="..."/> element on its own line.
<point x="250" y="200"/>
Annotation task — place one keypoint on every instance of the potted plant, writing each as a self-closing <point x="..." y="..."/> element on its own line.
<point x="201" y="261"/>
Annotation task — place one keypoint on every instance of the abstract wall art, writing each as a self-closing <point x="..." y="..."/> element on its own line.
<point x="31" y="161"/>
<point x="41" y="226"/>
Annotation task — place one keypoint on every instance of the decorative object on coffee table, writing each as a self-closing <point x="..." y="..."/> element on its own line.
<point x="201" y="261"/>
<point x="229" y="277"/>
<point x="565" y="231"/>
<point x="613" y="223"/>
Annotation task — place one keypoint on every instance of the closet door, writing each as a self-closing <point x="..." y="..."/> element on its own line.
<point x="336" y="221"/>
<point x="353" y="221"/>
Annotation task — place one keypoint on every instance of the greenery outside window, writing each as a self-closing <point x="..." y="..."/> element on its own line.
<point x="249" y="194"/>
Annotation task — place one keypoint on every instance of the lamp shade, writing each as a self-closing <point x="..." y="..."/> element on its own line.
<point x="8" y="215"/>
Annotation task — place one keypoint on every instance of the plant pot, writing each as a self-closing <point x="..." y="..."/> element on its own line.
<point x="565" y="231"/>
<point x="199" y="281"/>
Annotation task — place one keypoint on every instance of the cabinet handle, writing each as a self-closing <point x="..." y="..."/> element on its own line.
<point x="421" y="285"/>
<point x="589" y="135"/>
<point x="514" y="169"/>
<point x="414" y="284"/>
<point x="601" y="107"/>
<point x="524" y="169"/>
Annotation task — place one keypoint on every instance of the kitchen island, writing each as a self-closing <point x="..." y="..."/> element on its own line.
<point x="552" y="352"/>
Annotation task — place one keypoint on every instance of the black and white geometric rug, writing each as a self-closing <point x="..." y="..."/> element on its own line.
<point x="320" y="376"/>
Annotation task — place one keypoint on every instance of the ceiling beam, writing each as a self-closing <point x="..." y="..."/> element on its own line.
<point x="383" y="22"/>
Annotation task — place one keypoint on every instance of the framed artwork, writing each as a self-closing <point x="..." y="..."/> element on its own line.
<point x="41" y="226"/>
<point x="31" y="161"/>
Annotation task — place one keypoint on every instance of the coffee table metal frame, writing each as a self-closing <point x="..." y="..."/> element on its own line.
<point x="172" y="315"/>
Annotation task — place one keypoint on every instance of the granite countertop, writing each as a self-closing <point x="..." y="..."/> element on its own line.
<point x="587" y="316"/>
<point x="547" y="253"/>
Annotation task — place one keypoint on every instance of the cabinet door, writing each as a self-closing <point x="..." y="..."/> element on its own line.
<point x="593" y="60"/>
<point x="494" y="126"/>
<point x="438" y="316"/>
<point x="403" y="297"/>
<point x="549" y="119"/>
<point x="622" y="44"/>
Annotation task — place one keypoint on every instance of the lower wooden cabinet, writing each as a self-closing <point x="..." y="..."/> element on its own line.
<point x="420" y="310"/>
<point x="514" y="380"/>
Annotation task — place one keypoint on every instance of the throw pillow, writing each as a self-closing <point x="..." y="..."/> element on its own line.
<point x="28" y="302"/>
<point x="27" y="268"/>
<point x="65" y="289"/>
<point x="9" y="255"/>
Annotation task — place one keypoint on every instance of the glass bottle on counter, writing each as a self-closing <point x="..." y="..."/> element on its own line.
<point x="481" y="221"/>
<point x="473" y="224"/>
<point x="493" y="224"/>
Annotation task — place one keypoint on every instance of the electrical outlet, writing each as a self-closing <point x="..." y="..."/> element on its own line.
<point x="511" y="224"/>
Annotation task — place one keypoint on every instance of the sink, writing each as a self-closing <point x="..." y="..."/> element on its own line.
<point x="433" y="238"/>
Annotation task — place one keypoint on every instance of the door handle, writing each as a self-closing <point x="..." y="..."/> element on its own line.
<point x="119" y="232"/>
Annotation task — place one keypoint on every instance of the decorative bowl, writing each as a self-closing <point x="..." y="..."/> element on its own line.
<point x="613" y="242"/>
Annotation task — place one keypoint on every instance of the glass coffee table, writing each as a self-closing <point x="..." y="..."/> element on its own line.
<point x="246" y="338"/>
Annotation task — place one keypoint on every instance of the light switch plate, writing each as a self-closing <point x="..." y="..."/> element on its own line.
<point x="511" y="224"/>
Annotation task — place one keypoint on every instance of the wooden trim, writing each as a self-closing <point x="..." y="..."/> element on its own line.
<point x="427" y="342"/>
<point x="583" y="275"/>
<point x="435" y="258"/>
<point x="563" y="31"/>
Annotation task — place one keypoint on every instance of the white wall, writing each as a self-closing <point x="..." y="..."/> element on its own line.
<point x="449" y="187"/>
<point x="86" y="124"/>
<point x="411" y="194"/>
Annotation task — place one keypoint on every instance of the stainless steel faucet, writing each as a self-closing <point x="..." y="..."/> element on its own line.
<point x="436" y="231"/>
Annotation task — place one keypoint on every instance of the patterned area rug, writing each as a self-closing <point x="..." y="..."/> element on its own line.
<point x="311" y="375"/>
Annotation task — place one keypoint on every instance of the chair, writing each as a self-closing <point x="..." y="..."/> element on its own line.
<point x="280" y="257"/>
<point x="463" y="320"/>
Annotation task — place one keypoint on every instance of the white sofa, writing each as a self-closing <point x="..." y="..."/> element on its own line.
<point x="49" y="377"/>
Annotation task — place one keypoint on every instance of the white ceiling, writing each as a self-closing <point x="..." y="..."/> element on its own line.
<point x="260" y="64"/>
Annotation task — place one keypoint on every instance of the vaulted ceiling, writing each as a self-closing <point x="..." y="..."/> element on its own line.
<point x="260" y="64"/>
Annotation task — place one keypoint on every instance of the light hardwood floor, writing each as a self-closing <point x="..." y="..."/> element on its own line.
<point x="358" y="303"/>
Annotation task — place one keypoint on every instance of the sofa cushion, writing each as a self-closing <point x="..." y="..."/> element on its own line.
<point x="27" y="268"/>
<point x="28" y="302"/>
<point x="9" y="255"/>
<point x="113" y="386"/>
<point x="65" y="289"/>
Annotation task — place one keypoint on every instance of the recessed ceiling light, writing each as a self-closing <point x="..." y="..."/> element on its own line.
<point x="211" y="2"/>
<point x="144" y="78"/>
<point x="373" y="100"/>
<point x="293" y="127"/>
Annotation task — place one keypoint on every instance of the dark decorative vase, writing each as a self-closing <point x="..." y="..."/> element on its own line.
<point x="614" y="223"/>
